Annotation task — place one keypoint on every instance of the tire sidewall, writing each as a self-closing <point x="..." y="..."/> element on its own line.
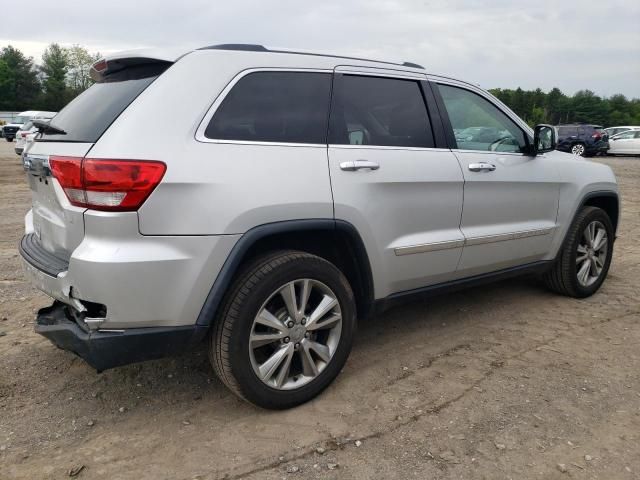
<point x="306" y="266"/>
<point x="594" y="215"/>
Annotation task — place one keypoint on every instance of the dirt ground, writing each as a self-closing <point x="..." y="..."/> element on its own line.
<point x="499" y="382"/>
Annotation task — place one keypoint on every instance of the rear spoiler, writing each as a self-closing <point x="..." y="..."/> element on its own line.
<point x="119" y="61"/>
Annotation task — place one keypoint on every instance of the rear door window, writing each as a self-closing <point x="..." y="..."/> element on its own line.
<point x="379" y="111"/>
<point x="89" y="115"/>
<point x="282" y="107"/>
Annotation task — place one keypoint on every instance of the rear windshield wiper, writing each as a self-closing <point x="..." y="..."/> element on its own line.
<point x="46" y="127"/>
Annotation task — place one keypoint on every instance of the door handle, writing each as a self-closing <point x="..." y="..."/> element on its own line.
<point x="482" y="167"/>
<point x="359" y="165"/>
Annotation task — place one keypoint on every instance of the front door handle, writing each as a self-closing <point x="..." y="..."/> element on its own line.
<point x="482" y="167"/>
<point x="359" y="165"/>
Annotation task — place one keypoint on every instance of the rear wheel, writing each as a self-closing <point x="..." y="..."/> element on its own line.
<point x="578" y="149"/>
<point x="584" y="260"/>
<point x="8" y="139"/>
<point x="285" y="331"/>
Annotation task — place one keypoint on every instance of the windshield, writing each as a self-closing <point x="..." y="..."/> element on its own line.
<point x="89" y="115"/>
<point x="20" y="119"/>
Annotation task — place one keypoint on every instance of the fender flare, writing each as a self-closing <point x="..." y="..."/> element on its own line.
<point x="583" y="201"/>
<point x="596" y="194"/>
<point x="233" y="262"/>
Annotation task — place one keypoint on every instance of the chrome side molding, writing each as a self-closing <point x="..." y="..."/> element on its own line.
<point x="447" y="245"/>
<point x="428" y="247"/>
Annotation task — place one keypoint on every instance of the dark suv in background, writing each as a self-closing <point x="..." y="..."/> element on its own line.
<point x="581" y="139"/>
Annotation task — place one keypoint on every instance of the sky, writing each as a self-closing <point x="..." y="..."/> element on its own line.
<point x="569" y="44"/>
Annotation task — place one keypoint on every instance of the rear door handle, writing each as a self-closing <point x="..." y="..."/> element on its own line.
<point x="359" y="165"/>
<point x="482" y="167"/>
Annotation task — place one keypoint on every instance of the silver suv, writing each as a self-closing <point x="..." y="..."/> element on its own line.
<point x="291" y="194"/>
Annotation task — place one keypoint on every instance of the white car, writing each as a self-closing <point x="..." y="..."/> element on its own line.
<point x="10" y="130"/>
<point x="625" y="143"/>
<point x="25" y="135"/>
<point x="293" y="194"/>
<point x="611" y="131"/>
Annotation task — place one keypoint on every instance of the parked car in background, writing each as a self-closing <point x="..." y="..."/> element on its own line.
<point x="625" y="143"/>
<point x="611" y="131"/>
<point x="582" y="139"/>
<point x="9" y="130"/>
<point x="25" y="135"/>
<point x="314" y="190"/>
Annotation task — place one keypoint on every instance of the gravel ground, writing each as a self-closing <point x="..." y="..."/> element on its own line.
<point x="506" y="381"/>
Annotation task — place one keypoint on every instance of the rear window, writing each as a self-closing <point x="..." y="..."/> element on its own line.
<point x="283" y="107"/>
<point x="89" y="115"/>
<point x="379" y="111"/>
<point x="564" y="131"/>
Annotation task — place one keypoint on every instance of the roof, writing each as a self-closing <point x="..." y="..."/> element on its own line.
<point x="173" y="54"/>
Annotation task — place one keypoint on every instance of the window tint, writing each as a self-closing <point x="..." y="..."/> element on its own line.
<point x="567" y="131"/>
<point x="379" y="111"/>
<point x="87" y="117"/>
<point x="287" y="107"/>
<point x="478" y="124"/>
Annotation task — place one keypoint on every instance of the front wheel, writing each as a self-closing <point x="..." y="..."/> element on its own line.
<point x="285" y="331"/>
<point x="583" y="262"/>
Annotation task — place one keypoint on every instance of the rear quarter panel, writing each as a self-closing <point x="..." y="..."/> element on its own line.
<point x="214" y="188"/>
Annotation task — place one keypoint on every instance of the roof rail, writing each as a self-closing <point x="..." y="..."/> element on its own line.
<point x="248" y="47"/>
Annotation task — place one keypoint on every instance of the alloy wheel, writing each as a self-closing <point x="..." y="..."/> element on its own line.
<point x="295" y="334"/>
<point x="578" y="149"/>
<point x="591" y="253"/>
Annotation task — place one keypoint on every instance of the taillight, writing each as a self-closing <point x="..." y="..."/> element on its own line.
<point x="596" y="135"/>
<point x="104" y="184"/>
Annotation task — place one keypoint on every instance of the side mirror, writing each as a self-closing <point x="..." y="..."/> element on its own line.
<point x="544" y="138"/>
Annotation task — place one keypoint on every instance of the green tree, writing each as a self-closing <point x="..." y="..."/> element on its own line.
<point x="55" y="66"/>
<point x="19" y="85"/>
<point x="79" y="60"/>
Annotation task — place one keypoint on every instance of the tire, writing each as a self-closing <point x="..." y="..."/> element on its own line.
<point x="563" y="277"/>
<point x="236" y="360"/>
<point x="579" y="149"/>
<point x="9" y="139"/>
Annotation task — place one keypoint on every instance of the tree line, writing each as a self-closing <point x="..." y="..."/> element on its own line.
<point x="64" y="74"/>
<point x="536" y="106"/>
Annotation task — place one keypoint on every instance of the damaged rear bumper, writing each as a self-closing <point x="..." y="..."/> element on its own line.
<point x="107" y="349"/>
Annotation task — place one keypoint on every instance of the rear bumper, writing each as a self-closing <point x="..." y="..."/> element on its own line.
<point x="104" y="350"/>
<point x="142" y="281"/>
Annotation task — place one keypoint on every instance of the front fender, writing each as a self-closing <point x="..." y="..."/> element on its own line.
<point x="580" y="181"/>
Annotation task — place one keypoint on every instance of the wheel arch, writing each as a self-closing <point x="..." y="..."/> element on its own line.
<point x="607" y="201"/>
<point x="335" y="240"/>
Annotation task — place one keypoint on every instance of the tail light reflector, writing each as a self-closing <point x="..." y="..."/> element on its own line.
<point x="105" y="184"/>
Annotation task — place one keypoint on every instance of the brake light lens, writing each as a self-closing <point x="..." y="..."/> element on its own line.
<point x="105" y="184"/>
